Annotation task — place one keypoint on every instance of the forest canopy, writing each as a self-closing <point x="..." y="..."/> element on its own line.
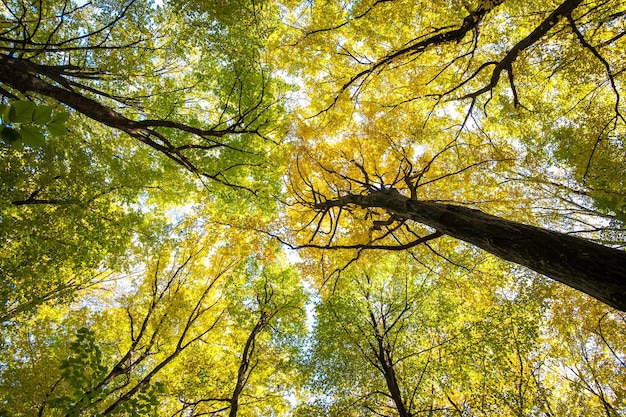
<point x="334" y="208"/>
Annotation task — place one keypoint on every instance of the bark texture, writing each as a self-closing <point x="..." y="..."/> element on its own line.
<point x="594" y="269"/>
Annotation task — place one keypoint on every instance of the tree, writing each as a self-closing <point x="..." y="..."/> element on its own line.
<point x="45" y="54"/>
<point x="411" y="129"/>
<point x="396" y="340"/>
<point x="202" y="332"/>
<point x="585" y="369"/>
<point x="430" y="160"/>
<point x="597" y="270"/>
<point x="156" y="114"/>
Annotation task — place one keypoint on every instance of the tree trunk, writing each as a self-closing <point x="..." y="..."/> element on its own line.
<point x="244" y="367"/>
<point x="386" y="366"/>
<point x="596" y="270"/>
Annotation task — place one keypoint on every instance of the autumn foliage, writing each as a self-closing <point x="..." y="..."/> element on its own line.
<point x="296" y="208"/>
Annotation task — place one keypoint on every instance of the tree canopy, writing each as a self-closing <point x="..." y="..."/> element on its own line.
<point x="337" y="208"/>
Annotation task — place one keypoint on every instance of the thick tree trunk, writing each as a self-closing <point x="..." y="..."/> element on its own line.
<point x="596" y="270"/>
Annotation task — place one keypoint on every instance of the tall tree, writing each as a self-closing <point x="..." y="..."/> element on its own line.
<point x="126" y="64"/>
<point x="597" y="270"/>
<point x="424" y="110"/>
<point x="201" y="330"/>
<point x="397" y="340"/>
<point x="156" y="114"/>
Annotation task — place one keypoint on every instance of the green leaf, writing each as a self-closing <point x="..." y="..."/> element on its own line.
<point x="57" y="128"/>
<point x="42" y="115"/>
<point x="5" y="114"/>
<point x="32" y="136"/>
<point x="21" y="111"/>
<point x="10" y="135"/>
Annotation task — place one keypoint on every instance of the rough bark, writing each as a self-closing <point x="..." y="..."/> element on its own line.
<point x="594" y="269"/>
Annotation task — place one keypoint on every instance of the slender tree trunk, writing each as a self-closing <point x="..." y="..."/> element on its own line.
<point x="596" y="270"/>
<point x="244" y="366"/>
<point x="389" y="373"/>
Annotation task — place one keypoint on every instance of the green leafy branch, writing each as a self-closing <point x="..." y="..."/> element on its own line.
<point x="26" y="123"/>
<point x="87" y="364"/>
